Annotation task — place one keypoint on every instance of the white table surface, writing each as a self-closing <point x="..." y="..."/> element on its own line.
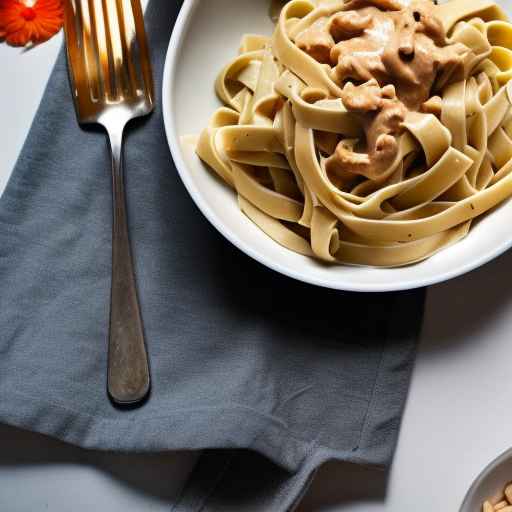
<point x="458" y="415"/>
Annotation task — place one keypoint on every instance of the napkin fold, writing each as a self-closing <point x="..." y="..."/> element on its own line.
<point x="270" y="376"/>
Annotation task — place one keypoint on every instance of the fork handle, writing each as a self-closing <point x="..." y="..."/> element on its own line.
<point x="128" y="370"/>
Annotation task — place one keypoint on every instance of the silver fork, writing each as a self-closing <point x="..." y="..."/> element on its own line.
<point x="111" y="82"/>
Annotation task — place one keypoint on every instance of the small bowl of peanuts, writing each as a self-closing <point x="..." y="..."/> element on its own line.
<point x="492" y="490"/>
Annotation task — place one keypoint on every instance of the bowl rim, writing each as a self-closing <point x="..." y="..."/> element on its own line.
<point x="168" y="90"/>
<point x="506" y="455"/>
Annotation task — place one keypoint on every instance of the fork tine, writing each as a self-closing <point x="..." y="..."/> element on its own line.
<point x="117" y="54"/>
<point x="144" y="59"/>
<point x="129" y="41"/>
<point x="78" y="73"/>
<point x="101" y="46"/>
<point x="86" y="22"/>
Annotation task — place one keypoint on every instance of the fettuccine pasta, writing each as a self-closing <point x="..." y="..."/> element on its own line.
<point x="368" y="132"/>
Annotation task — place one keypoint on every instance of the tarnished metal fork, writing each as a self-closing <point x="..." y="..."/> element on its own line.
<point x="111" y="82"/>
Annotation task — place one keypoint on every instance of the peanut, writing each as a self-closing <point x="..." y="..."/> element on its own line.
<point x="508" y="493"/>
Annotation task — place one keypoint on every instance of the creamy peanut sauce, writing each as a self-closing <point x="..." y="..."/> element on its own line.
<point x="387" y="55"/>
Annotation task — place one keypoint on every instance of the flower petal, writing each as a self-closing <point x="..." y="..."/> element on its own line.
<point x="18" y="38"/>
<point x="14" y="24"/>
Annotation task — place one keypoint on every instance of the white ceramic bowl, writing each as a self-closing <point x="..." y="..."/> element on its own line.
<point x="206" y="36"/>
<point x="489" y="484"/>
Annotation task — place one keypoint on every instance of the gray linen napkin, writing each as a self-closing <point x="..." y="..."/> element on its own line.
<point x="280" y="375"/>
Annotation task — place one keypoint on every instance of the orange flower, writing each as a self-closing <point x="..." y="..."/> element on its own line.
<point x="23" y="22"/>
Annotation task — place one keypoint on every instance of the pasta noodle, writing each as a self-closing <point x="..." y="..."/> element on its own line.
<point x="368" y="132"/>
